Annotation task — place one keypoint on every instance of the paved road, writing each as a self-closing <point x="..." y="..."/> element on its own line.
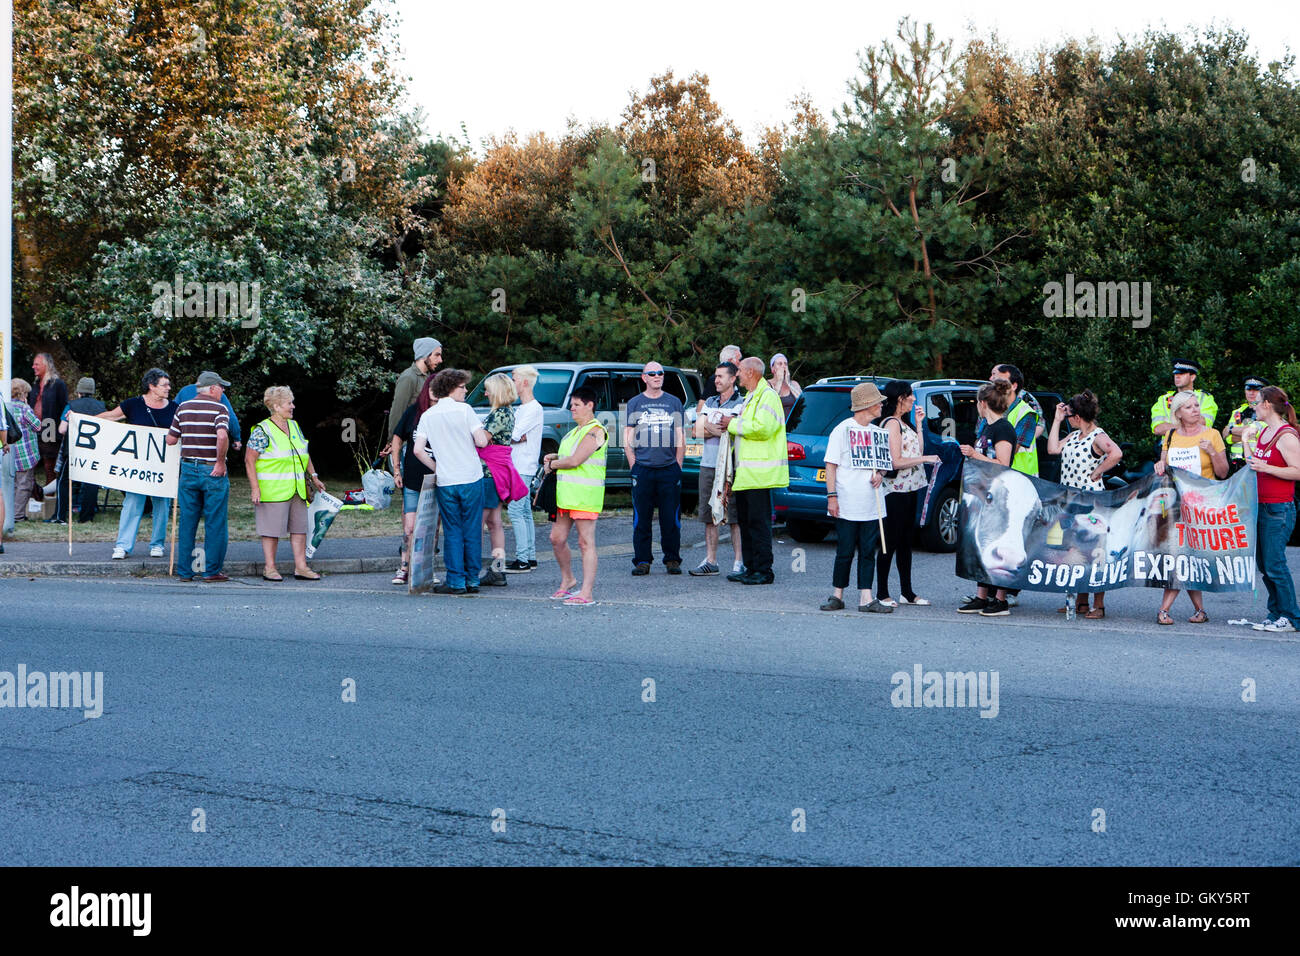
<point x="228" y="698"/>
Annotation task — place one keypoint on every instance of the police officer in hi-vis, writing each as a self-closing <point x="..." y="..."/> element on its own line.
<point x="1162" y="419"/>
<point x="1242" y="428"/>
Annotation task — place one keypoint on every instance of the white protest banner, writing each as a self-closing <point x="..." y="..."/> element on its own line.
<point x="424" y="539"/>
<point x="125" y="457"/>
<point x="869" y="448"/>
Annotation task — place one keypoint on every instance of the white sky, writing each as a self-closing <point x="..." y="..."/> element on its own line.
<point x="505" y="64"/>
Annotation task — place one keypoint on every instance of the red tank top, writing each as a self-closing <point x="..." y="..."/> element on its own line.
<point x="1272" y="489"/>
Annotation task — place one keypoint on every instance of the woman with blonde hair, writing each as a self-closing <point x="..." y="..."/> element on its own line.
<point x="1192" y="446"/>
<point x="787" y="389"/>
<point x="279" y="468"/>
<point x="500" y="426"/>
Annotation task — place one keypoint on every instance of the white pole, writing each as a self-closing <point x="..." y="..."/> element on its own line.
<point x="7" y="199"/>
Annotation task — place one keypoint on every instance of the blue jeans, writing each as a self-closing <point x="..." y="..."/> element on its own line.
<point x="521" y="519"/>
<point x="202" y="496"/>
<point x="1275" y="524"/>
<point x="461" y="509"/>
<point x="133" y="511"/>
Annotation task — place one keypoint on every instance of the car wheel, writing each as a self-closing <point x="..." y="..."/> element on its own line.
<point x="806" y="532"/>
<point x="941" y="527"/>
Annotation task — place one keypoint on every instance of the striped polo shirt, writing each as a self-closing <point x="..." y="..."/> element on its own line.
<point x="196" y="424"/>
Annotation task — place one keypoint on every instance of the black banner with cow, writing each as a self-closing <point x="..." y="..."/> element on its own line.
<point x="1179" y="530"/>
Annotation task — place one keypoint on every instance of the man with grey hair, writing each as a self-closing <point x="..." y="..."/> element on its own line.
<point x="729" y="353"/>
<point x="428" y="356"/>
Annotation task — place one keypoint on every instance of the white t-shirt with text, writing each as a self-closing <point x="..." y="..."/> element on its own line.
<point x="859" y="499"/>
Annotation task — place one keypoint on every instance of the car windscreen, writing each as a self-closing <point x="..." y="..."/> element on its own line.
<point x="552" y="385"/>
<point x="817" y="412"/>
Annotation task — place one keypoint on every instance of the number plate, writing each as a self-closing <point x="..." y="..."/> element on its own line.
<point x="694" y="450"/>
<point x="821" y="475"/>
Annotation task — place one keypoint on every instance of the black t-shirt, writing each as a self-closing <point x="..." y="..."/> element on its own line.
<point x="999" y="431"/>
<point x="138" y="412"/>
<point x="413" y="470"/>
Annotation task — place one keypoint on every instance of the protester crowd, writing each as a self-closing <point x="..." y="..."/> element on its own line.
<point x="484" y="466"/>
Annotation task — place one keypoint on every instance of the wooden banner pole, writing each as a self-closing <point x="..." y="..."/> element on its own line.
<point x="68" y="464"/>
<point x="880" y="503"/>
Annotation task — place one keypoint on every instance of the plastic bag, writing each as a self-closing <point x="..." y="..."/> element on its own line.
<point x="321" y="513"/>
<point x="379" y="488"/>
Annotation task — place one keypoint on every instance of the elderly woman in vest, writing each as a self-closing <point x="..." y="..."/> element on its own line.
<point x="279" y="468"/>
<point x="579" y="468"/>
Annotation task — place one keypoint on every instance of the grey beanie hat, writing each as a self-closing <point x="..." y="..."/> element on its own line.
<point x="426" y="346"/>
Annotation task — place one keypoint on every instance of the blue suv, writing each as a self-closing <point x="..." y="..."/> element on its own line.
<point x="950" y="421"/>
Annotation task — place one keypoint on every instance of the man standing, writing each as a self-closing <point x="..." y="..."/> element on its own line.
<point x="526" y="448"/>
<point x="86" y="494"/>
<point x="710" y="425"/>
<point x="445" y="441"/>
<point x="1162" y="419"/>
<point x="761" y="465"/>
<point x="656" y="446"/>
<point x="48" y="399"/>
<point x="428" y="356"/>
<point x="729" y="353"/>
<point x="236" y="437"/>
<point x="1242" y="426"/>
<point x="201" y="427"/>
<point x="1024" y="416"/>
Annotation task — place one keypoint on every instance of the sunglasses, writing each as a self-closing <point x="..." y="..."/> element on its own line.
<point x="1253" y="388"/>
<point x="652" y="373"/>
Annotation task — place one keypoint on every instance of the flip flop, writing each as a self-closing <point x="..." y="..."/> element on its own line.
<point x="305" y="577"/>
<point x="265" y="578"/>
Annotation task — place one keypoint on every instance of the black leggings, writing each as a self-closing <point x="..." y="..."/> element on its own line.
<point x="900" y="515"/>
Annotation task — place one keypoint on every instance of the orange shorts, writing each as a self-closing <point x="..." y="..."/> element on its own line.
<point x="577" y="515"/>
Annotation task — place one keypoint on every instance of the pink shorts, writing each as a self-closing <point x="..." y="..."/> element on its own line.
<point x="577" y="515"/>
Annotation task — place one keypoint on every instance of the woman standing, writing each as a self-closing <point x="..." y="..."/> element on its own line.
<point x="996" y="444"/>
<point x="48" y="400"/>
<point x="786" y="388"/>
<point x="278" y="468"/>
<point x="409" y="472"/>
<point x="23" y="456"/>
<point x="1086" y="455"/>
<point x="853" y="499"/>
<point x="901" y="491"/>
<point x="500" y="426"/>
<point x="1276" y="463"/>
<point x="579" y="468"/>
<point x="155" y="410"/>
<point x="1195" y="447"/>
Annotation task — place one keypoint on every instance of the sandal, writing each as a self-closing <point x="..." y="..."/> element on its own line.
<point x="1200" y="617"/>
<point x="918" y="601"/>
<point x="1096" y="614"/>
<point x="1162" y="617"/>
<point x="564" y="594"/>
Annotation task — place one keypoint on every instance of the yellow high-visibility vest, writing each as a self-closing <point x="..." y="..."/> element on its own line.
<point x="282" y="468"/>
<point x="581" y="488"/>
<point x="761" y="456"/>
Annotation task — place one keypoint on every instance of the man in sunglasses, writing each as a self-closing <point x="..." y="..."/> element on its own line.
<point x="1239" y="433"/>
<point x="655" y="445"/>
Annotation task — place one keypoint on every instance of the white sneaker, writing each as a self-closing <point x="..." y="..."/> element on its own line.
<point x="1281" y="624"/>
<point x="118" y="554"/>
<point x="737" y="567"/>
<point x="156" y="551"/>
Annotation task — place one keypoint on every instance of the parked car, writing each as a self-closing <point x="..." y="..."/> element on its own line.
<point x="614" y="383"/>
<point x="951" y="418"/>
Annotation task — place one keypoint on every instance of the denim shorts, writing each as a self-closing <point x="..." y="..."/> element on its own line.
<point x="490" y="497"/>
<point x="410" y="501"/>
